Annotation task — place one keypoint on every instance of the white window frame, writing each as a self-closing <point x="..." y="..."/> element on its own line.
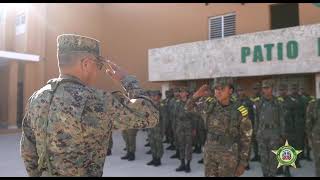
<point x="222" y="23"/>
<point x="21" y="27"/>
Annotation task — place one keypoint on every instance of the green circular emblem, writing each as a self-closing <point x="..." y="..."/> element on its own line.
<point x="316" y="4"/>
<point x="286" y="155"/>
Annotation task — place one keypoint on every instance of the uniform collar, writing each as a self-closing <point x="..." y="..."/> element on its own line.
<point x="70" y="77"/>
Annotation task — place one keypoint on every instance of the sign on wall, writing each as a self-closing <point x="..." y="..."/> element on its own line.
<point x="283" y="51"/>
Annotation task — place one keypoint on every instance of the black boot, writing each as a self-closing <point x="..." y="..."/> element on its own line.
<point x="175" y="156"/>
<point x="287" y="172"/>
<point x="131" y="157"/>
<point x="200" y="161"/>
<point x="256" y="158"/>
<point x="197" y="149"/>
<point x="279" y="171"/>
<point x="308" y="158"/>
<point x="248" y="167"/>
<point x="298" y="165"/>
<point x="182" y="166"/>
<point x="109" y="152"/>
<point x="149" y="152"/>
<point x="125" y="149"/>
<point x="147" y="145"/>
<point x="166" y="140"/>
<point x="126" y="156"/>
<point x="171" y="147"/>
<point x="188" y="169"/>
<point x="157" y="162"/>
<point x="151" y="162"/>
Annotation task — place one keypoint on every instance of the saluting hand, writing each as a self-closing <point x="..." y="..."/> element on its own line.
<point x="115" y="72"/>
<point x="201" y="91"/>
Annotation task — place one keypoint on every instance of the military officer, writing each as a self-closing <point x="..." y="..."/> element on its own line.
<point x="68" y="122"/>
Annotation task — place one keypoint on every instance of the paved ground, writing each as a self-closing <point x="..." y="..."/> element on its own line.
<point x="12" y="165"/>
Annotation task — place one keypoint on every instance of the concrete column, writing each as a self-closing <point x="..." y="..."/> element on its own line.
<point x="164" y="88"/>
<point x="317" y="85"/>
<point x="12" y="95"/>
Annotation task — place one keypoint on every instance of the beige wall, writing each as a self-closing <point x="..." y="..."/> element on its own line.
<point x="126" y="32"/>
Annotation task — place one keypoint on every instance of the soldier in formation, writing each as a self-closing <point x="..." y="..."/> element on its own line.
<point x="229" y="131"/>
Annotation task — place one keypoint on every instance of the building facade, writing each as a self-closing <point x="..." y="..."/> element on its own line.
<point x="128" y="32"/>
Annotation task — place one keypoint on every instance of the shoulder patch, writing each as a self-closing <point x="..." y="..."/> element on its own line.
<point x="209" y="99"/>
<point x="280" y="99"/>
<point x="243" y="110"/>
<point x="312" y="100"/>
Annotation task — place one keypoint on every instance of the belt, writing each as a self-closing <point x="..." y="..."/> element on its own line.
<point x="222" y="139"/>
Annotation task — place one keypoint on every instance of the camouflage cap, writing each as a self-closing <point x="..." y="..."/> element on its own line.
<point x="67" y="43"/>
<point x="283" y="86"/>
<point x="154" y="93"/>
<point x="257" y="85"/>
<point x="223" y="81"/>
<point x="176" y="89"/>
<point x="267" y="83"/>
<point x="184" y="89"/>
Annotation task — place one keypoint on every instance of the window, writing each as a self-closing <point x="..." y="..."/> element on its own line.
<point x="2" y="15"/>
<point x="222" y="26"/>
<point x="280" y="14"/>
<point x="20" y="23"/>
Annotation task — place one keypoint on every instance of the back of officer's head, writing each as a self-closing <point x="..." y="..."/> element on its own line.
<point x="78" y="56"/>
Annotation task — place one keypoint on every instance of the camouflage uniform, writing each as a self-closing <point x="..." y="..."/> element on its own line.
<point x="165" y="114"/>
<point x="171" y="120"/>
<point x="110" y="144"/>
<point x="156" y="135"/>
<point x="229" y="135"/>
<point x="129" y="137"/>
<point x="67" y="124"/>
<point x="184" y="132"/>
<point x="174" y="115"/>
<point x="246" y="102"/>
<point x="313" y="130"/>
<point x="269" y="127"/>
<point x="298" y="120"/>
<point x="306" y="99"/>
<point x="255" y="146"/>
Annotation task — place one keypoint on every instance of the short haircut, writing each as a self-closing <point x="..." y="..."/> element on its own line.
<point x="69" y="59"/>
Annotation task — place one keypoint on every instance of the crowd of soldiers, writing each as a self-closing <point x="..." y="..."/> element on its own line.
<point x="67" y="127"/>
<point x="274" y="120"/>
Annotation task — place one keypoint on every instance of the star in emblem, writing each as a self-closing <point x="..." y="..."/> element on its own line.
<point x="286" y="155"/>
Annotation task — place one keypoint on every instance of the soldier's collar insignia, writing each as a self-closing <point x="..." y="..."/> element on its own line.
<point x="286" y="155"/>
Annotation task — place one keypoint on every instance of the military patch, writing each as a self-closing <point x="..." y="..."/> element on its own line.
<point x="312" y="100"/>
<point x="255" y="99"/>
<point x="243" y="110"/>
<point x="209" y="99"/>
<point x="280" y="99"/>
